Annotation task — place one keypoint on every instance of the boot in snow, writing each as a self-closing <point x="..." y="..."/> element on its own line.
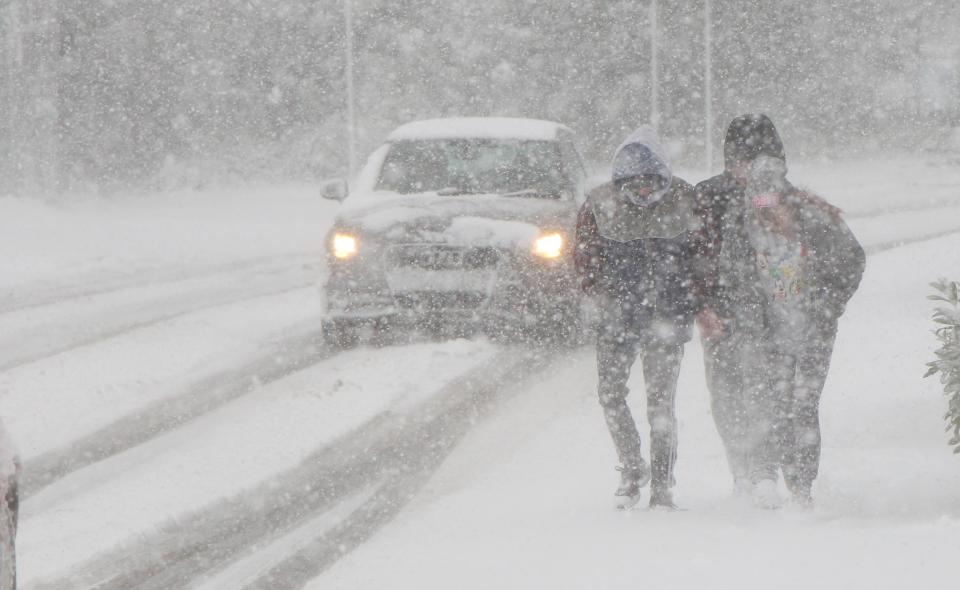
<point x="662" y="498"/>
<point x="802" y="499"/>
<point x="742" y="488"/>
<point x="766" y="496"/>
<point x="631" y="480"/>
<point x="801" y="492"/>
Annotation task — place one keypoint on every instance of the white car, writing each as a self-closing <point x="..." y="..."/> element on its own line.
<point x="458" y="223"/>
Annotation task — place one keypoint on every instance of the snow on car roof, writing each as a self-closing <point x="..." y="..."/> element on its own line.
<point x="479" y="127"/>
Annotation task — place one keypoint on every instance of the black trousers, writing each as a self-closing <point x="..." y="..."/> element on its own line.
<point x="617" y="351"/>
<point x="724" y="372"/>
<point x="783" y="385"/>
<point x="765" y="398"/>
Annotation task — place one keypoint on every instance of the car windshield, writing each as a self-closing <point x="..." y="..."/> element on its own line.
<point x="474" y="166"/>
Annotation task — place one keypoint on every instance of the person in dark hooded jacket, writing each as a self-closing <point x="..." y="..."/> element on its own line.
<point x="786" y="266"/>
<point x="721" y="197"/>
<point x="637" y="252"/>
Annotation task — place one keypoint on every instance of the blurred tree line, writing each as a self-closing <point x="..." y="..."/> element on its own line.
<point x="108" y="94"/>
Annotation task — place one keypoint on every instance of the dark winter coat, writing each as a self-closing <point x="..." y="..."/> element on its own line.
<point x="658" y="271"/>
<point x="833" y="265"/>
<point x="721" y="199"/>
<point x="643" y="260"/>
<point x="716" y="197"/>
<point x="748" y="136"/>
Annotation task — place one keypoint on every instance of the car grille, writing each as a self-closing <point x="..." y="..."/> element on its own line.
<point x="432" y="257"/>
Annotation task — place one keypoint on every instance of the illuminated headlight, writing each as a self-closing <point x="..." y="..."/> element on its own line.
<point x="549" y="246"/>
<point x="344" y="246"/>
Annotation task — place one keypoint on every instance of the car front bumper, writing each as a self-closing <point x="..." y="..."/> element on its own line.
<point x="512" y="291"/>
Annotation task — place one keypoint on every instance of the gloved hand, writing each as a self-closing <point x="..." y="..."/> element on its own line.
<point x="710" y="324"/>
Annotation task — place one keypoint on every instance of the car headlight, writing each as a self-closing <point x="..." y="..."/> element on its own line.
<point x="344" y="246"/>
<point x="548" y="246"/>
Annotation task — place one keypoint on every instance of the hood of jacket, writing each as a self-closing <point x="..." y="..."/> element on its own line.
<point x="749" y="136"/>
<point x="641" y="154"/>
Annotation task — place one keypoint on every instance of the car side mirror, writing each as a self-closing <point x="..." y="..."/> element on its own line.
<point x="335" y="190"/>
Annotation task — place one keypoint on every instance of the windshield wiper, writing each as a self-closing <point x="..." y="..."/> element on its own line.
<point x="531" y="192"/>
<point x="452" y="191"/>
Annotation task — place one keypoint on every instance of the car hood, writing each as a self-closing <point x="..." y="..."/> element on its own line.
<point x="470" y="220"/>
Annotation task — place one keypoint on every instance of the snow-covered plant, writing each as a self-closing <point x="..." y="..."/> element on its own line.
<point x="948" y="355"/>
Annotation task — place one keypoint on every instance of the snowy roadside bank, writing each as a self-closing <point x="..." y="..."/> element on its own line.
<point x="92" y="241"/>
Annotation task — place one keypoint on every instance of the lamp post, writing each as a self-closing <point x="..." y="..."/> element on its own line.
<point x="654" y="67"/>
<point x="708" y="82"/>
<point x="351" y="113"/>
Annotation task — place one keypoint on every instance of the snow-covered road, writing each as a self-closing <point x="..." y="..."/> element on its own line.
<point x="180" y="423"/>
<point x="260" y="452"/>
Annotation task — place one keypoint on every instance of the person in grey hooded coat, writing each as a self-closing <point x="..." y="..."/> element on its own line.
<point x="638" y="253"/>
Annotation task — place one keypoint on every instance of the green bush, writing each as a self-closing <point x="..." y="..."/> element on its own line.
<point x="947" y="363"/>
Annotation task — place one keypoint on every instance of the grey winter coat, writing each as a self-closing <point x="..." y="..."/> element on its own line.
<point x="833" y="265"/>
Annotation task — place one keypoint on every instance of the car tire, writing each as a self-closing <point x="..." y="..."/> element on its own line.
<point x="340" y="334"/>
<point x="383" y="333"/>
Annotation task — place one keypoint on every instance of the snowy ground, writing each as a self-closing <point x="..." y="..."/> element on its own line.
<point x="159" y="369"/>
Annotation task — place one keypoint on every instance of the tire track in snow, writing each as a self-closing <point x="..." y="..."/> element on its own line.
<point x="400" y="449"/>
<point x="894" y="244"/>
<point x="45" y="294"/>
<point x="278" y="360"/>
<point x="438" y="437"/>
<point x="245" y="571"/>
<point x="433" y="440"/>
<point x="150" y="311"/>
<point x="900" y="209"/>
